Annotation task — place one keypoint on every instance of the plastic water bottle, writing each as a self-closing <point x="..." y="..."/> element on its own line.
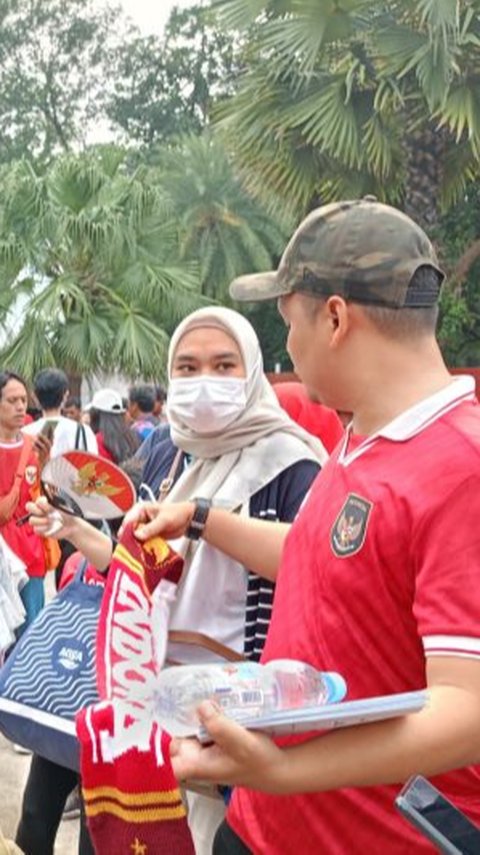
<point x="241" y="688"/>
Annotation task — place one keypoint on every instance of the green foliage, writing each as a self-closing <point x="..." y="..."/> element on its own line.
<point x="362" y="95"/>
<point x="91" y="267"/>
<point x="459" y="329"/>
<point x="272" y="334"/>
<point x="165" y="86"/>
<point x="54" y="59"/>
<point x="220" y="224"/>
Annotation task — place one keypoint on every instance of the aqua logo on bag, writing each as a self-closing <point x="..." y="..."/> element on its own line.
<point x="69" y="656"/>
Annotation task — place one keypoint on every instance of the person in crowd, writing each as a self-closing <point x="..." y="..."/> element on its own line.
<point x="72" y="408"/>
<point x="51" y="390"/>
<point x="377" y="578"/>
<point x="159" y="410"/>
<point x="318" y="420"/>
<point x="116" y="440"/>
<point x="161" y="431"/>
<point x="232" y="444"/>
<point x="141" y="405"/>
<point x="52" y="791"/>
<point x="21" y="460"/>
<point x="237" y="447"/>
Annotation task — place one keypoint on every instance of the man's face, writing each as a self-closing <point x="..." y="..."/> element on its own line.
<point x="302" y="317"/>
<point x="13" y="406"/>
<point x="133" y="410"/>
<point x="73" y="413"/>
<point x="313" y="345"/>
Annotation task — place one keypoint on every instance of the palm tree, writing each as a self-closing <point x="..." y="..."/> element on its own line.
<point x="90" y="267"/>
<point x="221" y="224"/>
<point x="343" y="98"/>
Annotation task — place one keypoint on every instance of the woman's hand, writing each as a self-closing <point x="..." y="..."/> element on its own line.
<point x="46" y="521"/>
<point x="152" y="519"/>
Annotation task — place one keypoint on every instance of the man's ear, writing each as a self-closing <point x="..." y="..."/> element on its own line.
<point x="338" y="318"/>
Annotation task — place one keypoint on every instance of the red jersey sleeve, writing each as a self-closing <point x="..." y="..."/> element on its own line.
<point x="446" y="550"/>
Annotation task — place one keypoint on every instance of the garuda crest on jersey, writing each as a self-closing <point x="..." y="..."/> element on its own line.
<point x="350" y="527"/>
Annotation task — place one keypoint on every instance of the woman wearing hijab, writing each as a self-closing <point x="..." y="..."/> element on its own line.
<point x="240" y="450"/>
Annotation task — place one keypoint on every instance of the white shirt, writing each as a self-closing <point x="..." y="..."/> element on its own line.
<point x="65" y="435"/>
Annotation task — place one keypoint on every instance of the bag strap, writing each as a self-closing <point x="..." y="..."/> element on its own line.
<point x="9" y="502"/>
<point x="81" y="567"/>
<point x="80" y="433"/>
<point x="181" y="636"/>
<point x="24" y="455"/>
<point x="167" y="483"/>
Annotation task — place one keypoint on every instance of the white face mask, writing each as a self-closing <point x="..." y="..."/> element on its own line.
<point x="206" y="404"/>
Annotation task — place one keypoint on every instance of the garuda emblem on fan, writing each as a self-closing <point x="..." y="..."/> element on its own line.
<point x="91" y="481"/>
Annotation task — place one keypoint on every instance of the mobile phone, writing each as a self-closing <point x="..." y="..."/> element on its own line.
<point x="437" y="818"/>
<point x="48" y="428"/>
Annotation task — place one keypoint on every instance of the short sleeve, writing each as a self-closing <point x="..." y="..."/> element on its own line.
<point x="446" y="550"/>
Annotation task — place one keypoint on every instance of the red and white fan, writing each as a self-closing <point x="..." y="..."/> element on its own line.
<point x="85" y="485"/>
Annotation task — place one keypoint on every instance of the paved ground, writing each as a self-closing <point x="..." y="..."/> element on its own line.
<point x="13" y="773"/>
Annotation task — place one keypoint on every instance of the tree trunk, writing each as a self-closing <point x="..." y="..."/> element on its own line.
<point x="425" y="146"/>
<point x="74" y="384"/>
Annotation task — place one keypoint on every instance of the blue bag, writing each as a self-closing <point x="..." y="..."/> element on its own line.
<point x="50" y="675"/>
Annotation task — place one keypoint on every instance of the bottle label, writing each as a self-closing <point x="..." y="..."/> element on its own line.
<point x="230" y="699"/>
<point x="238" y="687"/>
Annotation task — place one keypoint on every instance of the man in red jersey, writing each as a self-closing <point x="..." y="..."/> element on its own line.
<point x="19" y="483"/>
<point x="379" y="576"/>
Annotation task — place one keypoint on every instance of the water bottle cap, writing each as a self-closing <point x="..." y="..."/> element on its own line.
<point x="335" y="686"/>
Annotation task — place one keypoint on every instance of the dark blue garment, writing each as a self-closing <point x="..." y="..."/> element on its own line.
<point x="279" y="500"/>
<point x="157" y="435"/>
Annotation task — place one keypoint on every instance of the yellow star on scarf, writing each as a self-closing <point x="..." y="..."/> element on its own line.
<point x="139" y="848"/>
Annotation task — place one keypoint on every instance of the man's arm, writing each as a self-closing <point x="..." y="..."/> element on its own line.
<point x="257" y="544"/>
<point x="443" y="736"/>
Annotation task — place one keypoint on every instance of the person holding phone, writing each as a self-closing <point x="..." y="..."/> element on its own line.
<point x="51" y="390"/>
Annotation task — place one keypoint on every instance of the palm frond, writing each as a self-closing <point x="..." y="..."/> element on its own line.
<point x="461" y="113"/>
<point x="29" y="350"/>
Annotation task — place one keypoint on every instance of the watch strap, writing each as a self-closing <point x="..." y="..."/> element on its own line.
<point x="199" y="518"/>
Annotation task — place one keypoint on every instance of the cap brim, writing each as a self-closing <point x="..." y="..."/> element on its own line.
<point x="257" y="286"/>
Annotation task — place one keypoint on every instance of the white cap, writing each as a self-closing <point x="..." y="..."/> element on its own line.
<point x="106" y="400"/>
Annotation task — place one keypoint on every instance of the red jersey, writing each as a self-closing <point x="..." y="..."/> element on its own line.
<point x="22" y="540"/>
<point x="317" y="419"/>
<point x="102" y="448"/>
<point x="380" y="569"/>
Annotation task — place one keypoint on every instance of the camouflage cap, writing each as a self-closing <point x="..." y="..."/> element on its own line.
<point x="362" y="250"/>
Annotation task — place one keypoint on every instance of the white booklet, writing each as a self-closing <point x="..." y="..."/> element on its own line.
<point x="328" y="716"/>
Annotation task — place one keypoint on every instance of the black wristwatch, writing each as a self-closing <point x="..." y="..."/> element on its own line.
<point x="200" y="514"/>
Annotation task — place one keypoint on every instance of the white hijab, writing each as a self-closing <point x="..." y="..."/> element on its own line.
<point x="232" y="465"/>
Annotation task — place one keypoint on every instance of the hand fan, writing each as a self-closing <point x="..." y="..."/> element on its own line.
<point x="85" y="485"/>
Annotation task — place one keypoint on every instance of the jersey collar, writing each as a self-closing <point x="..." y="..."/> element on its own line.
<point x="416" y="418"/>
